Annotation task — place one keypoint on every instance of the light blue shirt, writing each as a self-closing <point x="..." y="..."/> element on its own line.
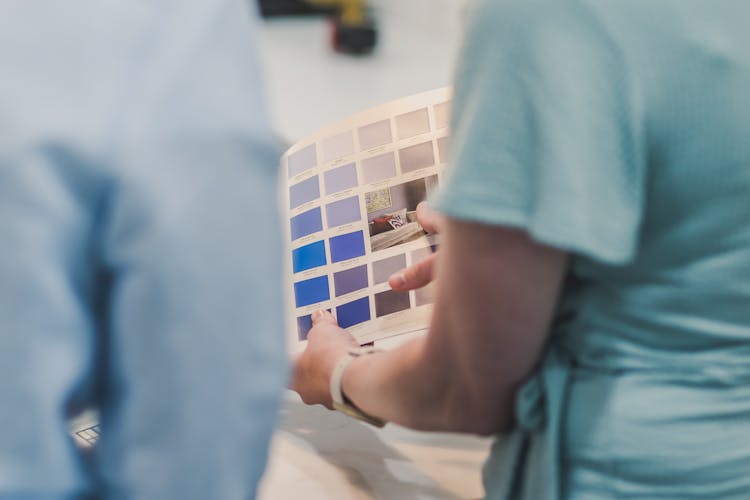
<point x="619" y="130"/>
<point x="139" y="249"/>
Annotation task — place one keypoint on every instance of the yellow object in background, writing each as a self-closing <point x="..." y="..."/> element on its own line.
<point x="351" y="12"/>
<point x="353" y="30"/>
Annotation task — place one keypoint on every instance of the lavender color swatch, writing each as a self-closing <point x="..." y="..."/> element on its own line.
<point x="303" y="192"/>
<point x="343" y="211"/>
<point x="340" y="178"/>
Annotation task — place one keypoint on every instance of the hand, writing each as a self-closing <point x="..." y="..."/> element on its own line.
<point x="327" y="343"/>
<point x="421" y="273"/>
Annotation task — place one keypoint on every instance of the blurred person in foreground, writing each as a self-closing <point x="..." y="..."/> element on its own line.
<point x="593" y="282"/>
<point x="136" y="169"/>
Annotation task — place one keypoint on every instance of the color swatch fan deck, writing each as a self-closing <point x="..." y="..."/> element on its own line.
<point x="350" y="197"/>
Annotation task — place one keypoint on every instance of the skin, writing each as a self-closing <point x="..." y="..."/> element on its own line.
<point x="496" y="293"/>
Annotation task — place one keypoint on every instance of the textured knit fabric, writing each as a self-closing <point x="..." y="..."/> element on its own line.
<point x="136" y="173"/>
<point x="619" y="131"/>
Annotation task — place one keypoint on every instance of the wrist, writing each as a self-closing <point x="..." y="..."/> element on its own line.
<point x="340" y="401"/>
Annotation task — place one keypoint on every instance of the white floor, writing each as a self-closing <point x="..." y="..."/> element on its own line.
<point x="323" y="455"/>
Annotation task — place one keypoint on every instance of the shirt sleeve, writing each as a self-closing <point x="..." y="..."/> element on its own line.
<point x="545" y="130"/>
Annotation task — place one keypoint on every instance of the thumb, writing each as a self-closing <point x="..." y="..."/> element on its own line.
<point x="322" y="316"/>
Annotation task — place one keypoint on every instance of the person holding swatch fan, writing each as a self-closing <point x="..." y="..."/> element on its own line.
<point x="593" y="279"/>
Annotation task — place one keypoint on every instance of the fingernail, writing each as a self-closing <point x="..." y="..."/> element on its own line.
<point x="398" y="279"/>
<point x="316" y="315"/>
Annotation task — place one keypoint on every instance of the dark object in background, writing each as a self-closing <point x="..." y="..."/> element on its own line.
<point x="273" y="8"/>
<point x="359" y="38"/>
<point x="353" y="29"/>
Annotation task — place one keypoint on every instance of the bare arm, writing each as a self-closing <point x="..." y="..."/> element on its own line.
<point x="496" y="293"/>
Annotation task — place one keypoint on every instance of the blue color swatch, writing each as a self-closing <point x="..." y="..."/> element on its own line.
<point x="311" y="291"/>
<point x="309" y="256"/>
<point x="347" y="246"/>
<point x="354" y="312"/>
<point x="306" y="223"/>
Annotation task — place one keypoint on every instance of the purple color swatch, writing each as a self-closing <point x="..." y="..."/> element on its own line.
<point x="350" y="280"/>
<point x="343" y="211"/>
<point x="378" y="168"/>
<point x="340" y="178"/>
<point x="303" y="192"/>
<point x="302" y="160"/>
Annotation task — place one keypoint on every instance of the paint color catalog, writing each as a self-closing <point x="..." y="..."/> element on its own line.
<point x="350" y="194"/>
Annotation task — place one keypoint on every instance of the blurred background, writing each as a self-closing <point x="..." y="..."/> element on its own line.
<point x="316" y="75"/>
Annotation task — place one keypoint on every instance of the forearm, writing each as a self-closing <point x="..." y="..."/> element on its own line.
<point x="414" y="387"/>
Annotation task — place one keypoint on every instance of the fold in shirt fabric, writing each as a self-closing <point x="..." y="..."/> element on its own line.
<point x="137" y="170"/>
